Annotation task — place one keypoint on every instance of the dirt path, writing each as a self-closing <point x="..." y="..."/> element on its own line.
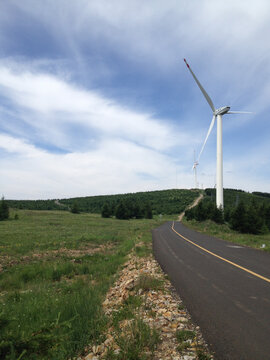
<point x="57" y="202"/>
<point x="196" y="202"/>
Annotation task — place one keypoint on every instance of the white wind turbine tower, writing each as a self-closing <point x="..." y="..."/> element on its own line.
<point x="194" y="168"/>
<point x="217" y="114"/>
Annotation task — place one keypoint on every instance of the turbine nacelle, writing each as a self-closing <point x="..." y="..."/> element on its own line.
<point x="195" y="164"/>
<point x="221" y="111"/>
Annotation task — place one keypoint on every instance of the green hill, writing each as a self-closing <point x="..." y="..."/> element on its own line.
<point x="162" y="202"/>
<point x="232" y="197"/>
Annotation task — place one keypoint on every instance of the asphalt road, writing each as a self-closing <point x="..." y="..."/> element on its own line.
<point x="225" y="287"/>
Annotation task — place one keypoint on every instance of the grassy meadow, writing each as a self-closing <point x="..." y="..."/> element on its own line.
<point x="55" y="270"/>
<point x="226" y="233"/>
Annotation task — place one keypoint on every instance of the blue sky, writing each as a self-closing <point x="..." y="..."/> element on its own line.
<point x="95" y="97"/>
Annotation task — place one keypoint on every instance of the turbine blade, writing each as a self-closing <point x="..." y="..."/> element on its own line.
<point x="207" y="97"/>
<point x="208" y="133"/>
<point x="239" y="112"/>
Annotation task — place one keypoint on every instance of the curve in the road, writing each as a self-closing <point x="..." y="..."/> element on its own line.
<point x="221" y="258"/>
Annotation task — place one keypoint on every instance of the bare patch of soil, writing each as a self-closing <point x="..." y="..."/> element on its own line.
<point x="8" y="261"/>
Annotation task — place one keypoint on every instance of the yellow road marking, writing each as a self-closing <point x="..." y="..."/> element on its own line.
<point x="221" y="258"/>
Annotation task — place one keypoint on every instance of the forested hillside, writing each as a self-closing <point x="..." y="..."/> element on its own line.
<point x="162" y="202"/>
<point x="244" y="212"/>
<point x="34" y="204"/>
<point x="232" y="197"/>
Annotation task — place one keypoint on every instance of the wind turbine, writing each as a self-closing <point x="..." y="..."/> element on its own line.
<point x="194" y="168"/>
<point x="217" y="114"/>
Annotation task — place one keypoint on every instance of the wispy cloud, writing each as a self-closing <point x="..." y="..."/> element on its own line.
<point x="117" y="148"/>
<point x="47" y="102"/>
<point x="109" y="98"/>
<point x="115" y="165"/>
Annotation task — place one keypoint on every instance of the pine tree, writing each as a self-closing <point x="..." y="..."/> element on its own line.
<point x="4" y="209"/>
<point x="113" y="208"/>
<point x="200" y="212"/>
<point x="128" y="204"/>
<point x="227" y="215"/>
<point x="189" y="214"/>
<point x="267" y="217"/>
<point x="262" y="210"/>
<point x="106" y="212"/>
<point x="217" y="215"/>
<point x="75" y="208"/>
<point x="210" y="210"/>
<point x="264" y="213"/>
<point x="137" y="211"/>
<point x="239" y="218"/>
<point x="254" y="221"/>
<point x="121" y="211"/>
<point x="148" y="211"/>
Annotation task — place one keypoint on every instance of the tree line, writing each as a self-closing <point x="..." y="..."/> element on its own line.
<point x="205" y="211"/>
<point x="251" y="217"/>
<point x="126" y="209"/>
<point x="162" y="201"/>
<point x="34" y="204"/>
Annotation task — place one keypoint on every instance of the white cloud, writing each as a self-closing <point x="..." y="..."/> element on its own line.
<point x="127" y="153"/>
<point x="226" y="42"/>
<point x="116" y="166"/>
<point x="46" y="101"/>
<point x="17" y="146"/>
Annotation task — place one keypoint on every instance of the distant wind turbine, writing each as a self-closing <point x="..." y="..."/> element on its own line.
<point x="194" y="168"/>
<point x="217" y="114"/>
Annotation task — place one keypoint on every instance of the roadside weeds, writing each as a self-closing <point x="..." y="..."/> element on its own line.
<point x="146" y="318"/>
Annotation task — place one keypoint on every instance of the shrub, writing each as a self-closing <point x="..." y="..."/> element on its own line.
<point x="138" y="338"/>
<point x="184" y="335"/>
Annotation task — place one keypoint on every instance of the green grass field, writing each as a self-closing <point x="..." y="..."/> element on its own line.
<point x="224" y="232"/>
<point x="56" y="268"/>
